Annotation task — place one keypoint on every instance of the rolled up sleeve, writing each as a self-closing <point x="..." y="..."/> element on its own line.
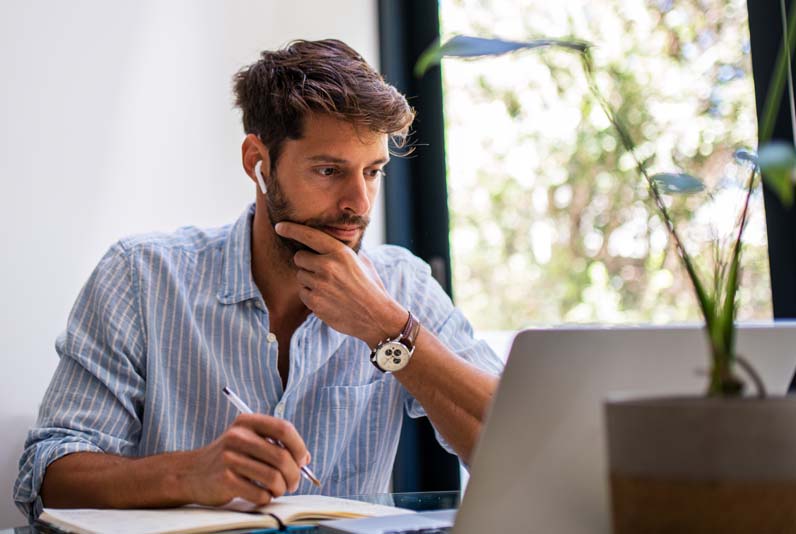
<point x="448" y="323"/>
<point x="94" y="402"/>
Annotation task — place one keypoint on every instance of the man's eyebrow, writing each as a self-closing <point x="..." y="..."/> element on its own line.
<point x="325" y="158"/>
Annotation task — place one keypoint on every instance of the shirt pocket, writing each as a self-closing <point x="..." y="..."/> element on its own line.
<point x="367" y="421"/>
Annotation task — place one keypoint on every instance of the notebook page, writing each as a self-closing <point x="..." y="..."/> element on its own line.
<point x="293" y="508"/>
<point x="173" y="520"/>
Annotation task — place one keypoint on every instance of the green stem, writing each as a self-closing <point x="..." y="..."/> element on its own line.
<point x="706" y="304"/>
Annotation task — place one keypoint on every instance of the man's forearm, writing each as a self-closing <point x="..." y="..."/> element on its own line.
<point x="454" y="393"/>
<point x="241" y="462"/>
<point x="97" y="480"/>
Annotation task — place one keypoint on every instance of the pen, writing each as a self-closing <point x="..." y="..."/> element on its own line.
<point x="306" y="472"/>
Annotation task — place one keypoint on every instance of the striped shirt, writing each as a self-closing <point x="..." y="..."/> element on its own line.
<point x="165" y="321"/>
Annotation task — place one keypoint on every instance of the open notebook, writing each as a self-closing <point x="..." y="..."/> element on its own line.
<point x="288" y="510"/>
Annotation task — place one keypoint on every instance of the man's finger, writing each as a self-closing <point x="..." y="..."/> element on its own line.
<point x="308" y="261"/>
<point x="250" y="491"/>
<point x="271" y="477"/>
<point x="286" y="434"/>
<point x="305" y="279"/>
<point x="317" y="240"/>
<point x="248" y="442"/>
<point x="277" y="429"/>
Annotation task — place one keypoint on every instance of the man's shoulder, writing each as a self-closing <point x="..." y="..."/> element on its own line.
<point x="184" y="240"/>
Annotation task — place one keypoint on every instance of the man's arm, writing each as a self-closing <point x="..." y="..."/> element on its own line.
<point x="455" y="393"/>
<point x="212" y="475"/>
<point x="344" y="291"/>
<point x="90" y="421"/>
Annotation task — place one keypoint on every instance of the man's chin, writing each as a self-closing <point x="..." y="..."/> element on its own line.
<point x="356" y="244"/>
<point x="293" y="246"/>
<point x="353" y="244"/>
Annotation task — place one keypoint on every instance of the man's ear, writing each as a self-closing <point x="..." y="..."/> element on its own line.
<point x="252" y="151"/>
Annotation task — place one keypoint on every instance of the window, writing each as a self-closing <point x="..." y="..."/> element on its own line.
<point x="550" y="221"/>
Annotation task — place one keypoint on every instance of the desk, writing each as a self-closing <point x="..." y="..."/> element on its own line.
<point x="432" y="500"/>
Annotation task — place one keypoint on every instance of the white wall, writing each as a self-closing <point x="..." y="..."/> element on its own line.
<point x="116" y="118"/>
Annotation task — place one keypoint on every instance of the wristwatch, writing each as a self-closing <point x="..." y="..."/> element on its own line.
<point x="392" y="355"/>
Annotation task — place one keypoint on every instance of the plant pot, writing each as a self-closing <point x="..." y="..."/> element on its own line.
<point x="699" y="465"/>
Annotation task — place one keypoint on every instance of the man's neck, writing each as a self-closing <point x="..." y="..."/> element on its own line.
<point x="273" y="272"/>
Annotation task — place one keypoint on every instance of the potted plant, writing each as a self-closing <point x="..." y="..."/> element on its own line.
<point x="728" y="460"/>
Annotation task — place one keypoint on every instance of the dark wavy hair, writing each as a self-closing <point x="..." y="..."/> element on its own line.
<point x="283" y="86"/>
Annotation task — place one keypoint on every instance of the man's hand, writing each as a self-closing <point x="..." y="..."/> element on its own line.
<point x="342" y="288"/>
<point x="242" y="462"/>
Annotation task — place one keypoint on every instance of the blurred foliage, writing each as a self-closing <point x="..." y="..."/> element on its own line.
<point x="550" y="221"/>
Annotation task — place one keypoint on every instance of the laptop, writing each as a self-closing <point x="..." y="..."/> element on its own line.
<point x="540" y="465"/>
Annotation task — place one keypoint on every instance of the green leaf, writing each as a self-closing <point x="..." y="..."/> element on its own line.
<point x="778" y="165"/>
<point x="728" y="312"/>
<point x="465" y="46"/>
<point x="677" y="183"/>
<point x="729" y="309"/>
<point x="649" y="161"/>
<point x="745" y="154"/>
<point x="707" y="301"/>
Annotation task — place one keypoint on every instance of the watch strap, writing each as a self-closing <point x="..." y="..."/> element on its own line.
<point x="410" y="332"/>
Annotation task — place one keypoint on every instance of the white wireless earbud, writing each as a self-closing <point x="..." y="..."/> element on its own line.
<point x="259" y="174"/>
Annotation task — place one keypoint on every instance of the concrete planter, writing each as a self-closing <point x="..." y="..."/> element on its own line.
<point x="699" y="465"/>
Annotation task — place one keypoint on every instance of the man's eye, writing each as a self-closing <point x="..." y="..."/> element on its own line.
<point x="377" y="173"/>
<point x="327" y="171"/>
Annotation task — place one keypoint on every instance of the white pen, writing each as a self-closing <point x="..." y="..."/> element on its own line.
<point x="306" y="472"/>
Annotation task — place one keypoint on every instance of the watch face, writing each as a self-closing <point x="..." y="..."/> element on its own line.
<point x="392" y="356"/>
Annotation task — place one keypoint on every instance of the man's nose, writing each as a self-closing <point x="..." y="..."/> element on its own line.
<point x="356" y="196"/>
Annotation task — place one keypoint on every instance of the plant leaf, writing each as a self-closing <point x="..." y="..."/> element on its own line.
<point x="727" y="317"/>
<point x="745" y="154"/>
<point x="778" y="165"/>
<point x="729" y="309"/>
<point x="466" y="46"/>
<point x="649" y="161"/>
<point x="682" y="183"/>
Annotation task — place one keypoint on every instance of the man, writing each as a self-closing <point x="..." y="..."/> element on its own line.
<point x="283" y="307"/>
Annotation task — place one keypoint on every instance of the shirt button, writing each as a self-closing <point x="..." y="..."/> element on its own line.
<point x="280" y="410"/>
<point x="271" y="337"/>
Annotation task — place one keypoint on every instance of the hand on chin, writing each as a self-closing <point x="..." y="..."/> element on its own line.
<point x="338" y="286"/>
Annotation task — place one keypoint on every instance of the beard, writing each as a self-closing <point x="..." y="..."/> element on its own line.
<point x="281" y="209"/>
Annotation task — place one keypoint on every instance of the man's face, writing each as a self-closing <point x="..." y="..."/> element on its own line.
<point x="328" y="180"/>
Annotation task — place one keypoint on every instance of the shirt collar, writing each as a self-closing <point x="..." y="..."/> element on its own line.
<point x="237" y="282"/>
<point x="237" y="285"/>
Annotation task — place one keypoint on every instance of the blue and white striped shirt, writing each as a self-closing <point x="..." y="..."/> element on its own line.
<point x="166" y="321"/>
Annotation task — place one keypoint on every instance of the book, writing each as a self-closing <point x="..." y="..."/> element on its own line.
<point x="280" y="512"/>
